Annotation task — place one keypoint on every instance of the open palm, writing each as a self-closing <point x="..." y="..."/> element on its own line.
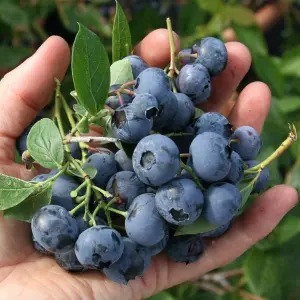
<point x="26" y="274"/>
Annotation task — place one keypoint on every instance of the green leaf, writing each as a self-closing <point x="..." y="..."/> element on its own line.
<point x="121" y="40"/>
<point x="91" y="171"/>
<point x="290" y="63"/>
<point x="293" y="177"/>
<point x="121" y="72"/>
<point x="11" y="56"/>
<point x="289" y="104"/>
<point x="90" y="70"/>
<point x="240" y="15"/>
<point x="84" y="126"/>
<point x="200" y="226"/>
<point x="263" y="275"/>
<point x="13" y="15"/>
<point x="79" y="109"/>
<point x="245" y="189"/>
<point x="211" y="6"/>
<point x="45" y="144"/>
<point x="13" y="191"/>
<point x="26" y="209"/>
<point x="252" y="37"/>
<point x="269" y="72"/>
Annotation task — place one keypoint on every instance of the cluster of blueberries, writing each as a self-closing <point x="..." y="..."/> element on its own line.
<point x="159" y="189"/>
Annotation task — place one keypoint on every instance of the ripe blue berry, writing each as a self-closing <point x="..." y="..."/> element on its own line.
<point x="222" y="202"/>
<point x="143" y="223"/>
<point x="98" y="247"/>
<point x="69" y="262"/>
<point x="211" y="156"/>
<point x="54" y="229"/>
<point x="236" y="172"/>
<point x="185" y="248"/>
<point x="137" y="65"/>
<point x="212" y="54"/>
<point x="213" y="122"/>
<point x="123" y="161"/>
<point x="186" y="60"/>
<point x="156" y="160"/>
<point x="248" y="144"/>
<point x="179" y="201"/>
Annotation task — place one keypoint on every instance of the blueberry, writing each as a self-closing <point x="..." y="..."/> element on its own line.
<point x="106" y="166"/>
<point x="211" y="156"/>
<point x="212" y="54"/>
<point x="143" y="223"/>
<point x="69" y="262"/>
<point x="194" y="81"/>
<point x="21" y="142"/>
<point x="215" y="233"/>
<point x="161" y="245"/>
<point x="184" y="114"/>
<point x="54" y="229"/>
<point x="84" y="225"/>
<point x="101" y="150"/>
<point x="123" y="161"/>
<point x="168" y="107"/>
<point x="236" y="172"/>
<point x="40" y="248"/>
<point x="137" y="65"/>
<point x="248" y="144"/>
<point x="98" y="247"/>
<point x="61" y="189"/>
<point x="134" y="262"/>
<point x="213" y="122"/>
<point x="128" y="127"/>
<point x="126" y="186"/>
<point x="75" y="150"/>
<point x="144" y="105"/>
<point x="222" y="202"/>
<point x="185" y="248"/>
<point x="41" y="178"/>
<point x="179" y="201"/>
<point x="156" y="160"/>
<point x="186" y="60"/>
<point x="114" y="101"/>
<point x="263" y="178"/>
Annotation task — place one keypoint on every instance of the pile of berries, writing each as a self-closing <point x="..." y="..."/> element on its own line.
<point x="182" y="169"/>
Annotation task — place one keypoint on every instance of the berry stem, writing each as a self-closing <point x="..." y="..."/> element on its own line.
<point x="107" y="212"/>
<point x="185" y="155"/>
<point x="195" y="55"/>
<point x="172" y="68"/>
<point x="116" y="211"/>
<point x="292" y="137"/>
<point x="53" y="178"/>
<point x="74" y="193"/>
<point x="104" y="193"/>
<point x="99" y="206"/>
<point x="129" y="83"/>
<point x="178" y="134"/>
<point x="191" y="172"/>
<point x="74" y="210"/>
<point x="82" y="120"/>
<point x="89" y="139"/>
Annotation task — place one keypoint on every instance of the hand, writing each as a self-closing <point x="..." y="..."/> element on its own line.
<point x="24" y="274"/>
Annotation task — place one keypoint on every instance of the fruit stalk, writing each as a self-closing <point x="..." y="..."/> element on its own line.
<point x="172" y="68"/>
<point x="89" y="139"/>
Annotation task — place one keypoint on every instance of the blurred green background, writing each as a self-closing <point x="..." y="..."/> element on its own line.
<point x="271" y="30"/>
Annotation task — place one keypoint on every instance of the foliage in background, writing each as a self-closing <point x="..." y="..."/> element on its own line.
<point x="270" y="269"/>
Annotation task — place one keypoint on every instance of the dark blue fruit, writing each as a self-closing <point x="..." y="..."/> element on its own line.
<point x="263" y="178"/>
<point x="236" y="172"/>
<point x="98" y="247"/>
<point x="61" y="189"/>
<point x="69" y="262"/>
<point x="106" y="166"/>
<point x="134" y="262"/>
<point x="54" y="229"/>
<point x="222" y="202"/>
<point x="211" y="156"/>
<point x="186" y="60"/>
<point x="213" y="122"/>
<point x="126" y="186"/>
<point x="75" y="150"/>
<point x="248" y="142"/>
<point x="123" y="161"/>
<point x="156" y="160"/>
<point x="137" y="65"/>
<point x="41" y="178"/>
<point x="144" y="105"/>
<point x="160" y="246"/>
<point x="212" y="54"/>
<point x="185" y="248"/>
<point x="84" y="225"/>
<point x="143" y="223"/>
<point x="40" y="248"/>
<point x="184" y="114"/>
<point x="194" y="81"/>
<point x="215" y="233"/>
<point x="179" y="201"/>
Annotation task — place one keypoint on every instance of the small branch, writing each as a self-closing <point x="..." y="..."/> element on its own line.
<point x="249" y="296"/>
<point x="195" y="55"/>
<point x="209" y="287"/>
<point x="104" y="193"/>
<point x="172" y="68"/>
<point x="116" y="211"/>
<point x="89" y="139"/>
<point x="177" y="134"/>
<point x="82" y="120"/>
<point x="185" y="155"/>
<point x="280" y="150"/>
<point x="191" y="172"/>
